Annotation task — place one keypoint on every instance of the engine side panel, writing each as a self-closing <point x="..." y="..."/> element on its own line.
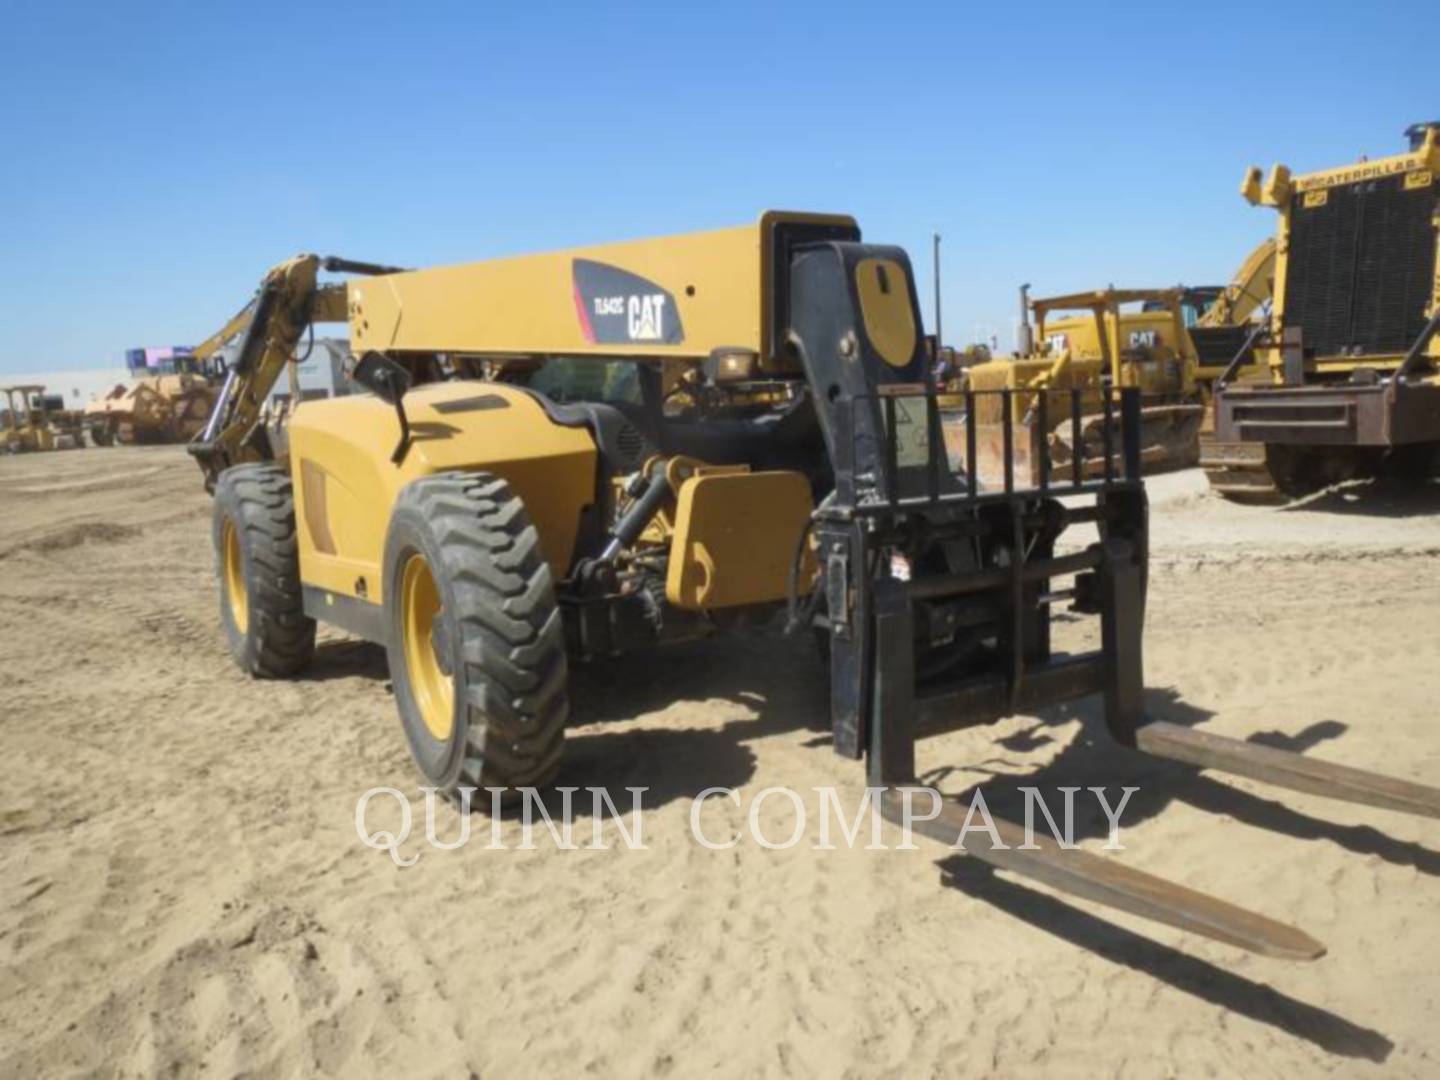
<point x="346" y="484"/>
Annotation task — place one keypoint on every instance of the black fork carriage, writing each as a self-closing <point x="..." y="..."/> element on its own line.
<point x="939" y="589"/>
<point x="939" y="572"/>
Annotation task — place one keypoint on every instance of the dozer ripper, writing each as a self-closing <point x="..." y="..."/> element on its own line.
<point x="567" y="456"/>
<point x="1348" y="363"/>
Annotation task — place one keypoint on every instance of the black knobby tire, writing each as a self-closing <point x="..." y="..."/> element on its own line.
<point x="269" y="634"/>
<point x="498" y="635"/>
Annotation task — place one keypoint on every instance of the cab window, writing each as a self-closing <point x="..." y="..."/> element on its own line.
<point x="565" y="379"/>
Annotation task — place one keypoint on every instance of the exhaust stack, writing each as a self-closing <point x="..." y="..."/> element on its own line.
<point x="1024" y="337"/>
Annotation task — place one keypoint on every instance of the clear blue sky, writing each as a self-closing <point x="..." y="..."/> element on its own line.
<point x="157" y="158"/>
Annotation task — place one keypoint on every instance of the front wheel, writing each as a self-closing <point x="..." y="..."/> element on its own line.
<point x="475" y="643"/>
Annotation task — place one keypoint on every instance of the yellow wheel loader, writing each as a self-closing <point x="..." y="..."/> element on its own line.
<point x="1344" y="375"/>
<point x="565" y="457"/>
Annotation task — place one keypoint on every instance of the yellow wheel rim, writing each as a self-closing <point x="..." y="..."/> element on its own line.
<point x="432" y="688"/>
<point x="234" y="573"/>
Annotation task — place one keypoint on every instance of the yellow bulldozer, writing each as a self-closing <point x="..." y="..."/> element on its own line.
<point x="34" y="420"/>
<point x="1170" y="344"/>
<point x="1342" y="380"/>
<point x="563" y="457"/>
<point x="1215" y="322"/>
<point x="1087" y="354"/>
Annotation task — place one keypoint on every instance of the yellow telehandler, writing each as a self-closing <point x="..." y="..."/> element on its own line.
<point x="567" y="456"/>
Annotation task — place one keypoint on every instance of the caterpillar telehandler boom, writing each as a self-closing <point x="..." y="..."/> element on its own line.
<point x="1348" y="362"/>
<point x="572" y="455"/>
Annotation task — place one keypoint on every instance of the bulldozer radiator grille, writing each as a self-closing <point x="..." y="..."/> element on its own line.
<point x="1362" y="266"/>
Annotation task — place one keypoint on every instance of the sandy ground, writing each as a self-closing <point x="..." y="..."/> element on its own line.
<point x="182" y="891"/>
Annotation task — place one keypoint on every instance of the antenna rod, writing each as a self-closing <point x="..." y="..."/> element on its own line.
<point x="938" y="337"/>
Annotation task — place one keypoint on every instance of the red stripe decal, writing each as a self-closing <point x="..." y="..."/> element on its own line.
<point x="585" y="328"/>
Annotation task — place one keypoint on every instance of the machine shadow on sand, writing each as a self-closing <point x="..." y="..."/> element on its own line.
<point x="1178" y="970"/>
<point x="779" y="683"/>
<point x="1385" y="497"/>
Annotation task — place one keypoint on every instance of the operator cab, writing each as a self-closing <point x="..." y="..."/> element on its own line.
<point x="637" y="409"/>
<point x="1193" y="305"/>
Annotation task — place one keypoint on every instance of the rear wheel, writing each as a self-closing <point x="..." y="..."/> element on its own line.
<point x="258" y="563"/>
<point x="476" y="644"/>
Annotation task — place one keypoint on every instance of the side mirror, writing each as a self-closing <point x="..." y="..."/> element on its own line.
<point x="388" y="381"/>
<point x="382" y="376"/>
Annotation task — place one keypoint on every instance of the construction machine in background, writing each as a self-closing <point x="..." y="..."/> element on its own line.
<point x="1170" y="344"/>
<point x="1216" y="320"/>
<point x="1222" y="325"/>
<point x="1148" y="351"/>
<point x="169" y="405"/>
<point x="167" y="401"/>
<point x="1346" y="369"/>
<point x="566" y="457"/>
<point x="35" y="420"/>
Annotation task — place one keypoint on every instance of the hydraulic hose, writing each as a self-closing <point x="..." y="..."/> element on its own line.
<point x="632" y="523"/>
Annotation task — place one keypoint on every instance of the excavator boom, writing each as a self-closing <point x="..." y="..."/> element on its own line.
<point x="1248" y="290"/>
<point x="289" y="300"/>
